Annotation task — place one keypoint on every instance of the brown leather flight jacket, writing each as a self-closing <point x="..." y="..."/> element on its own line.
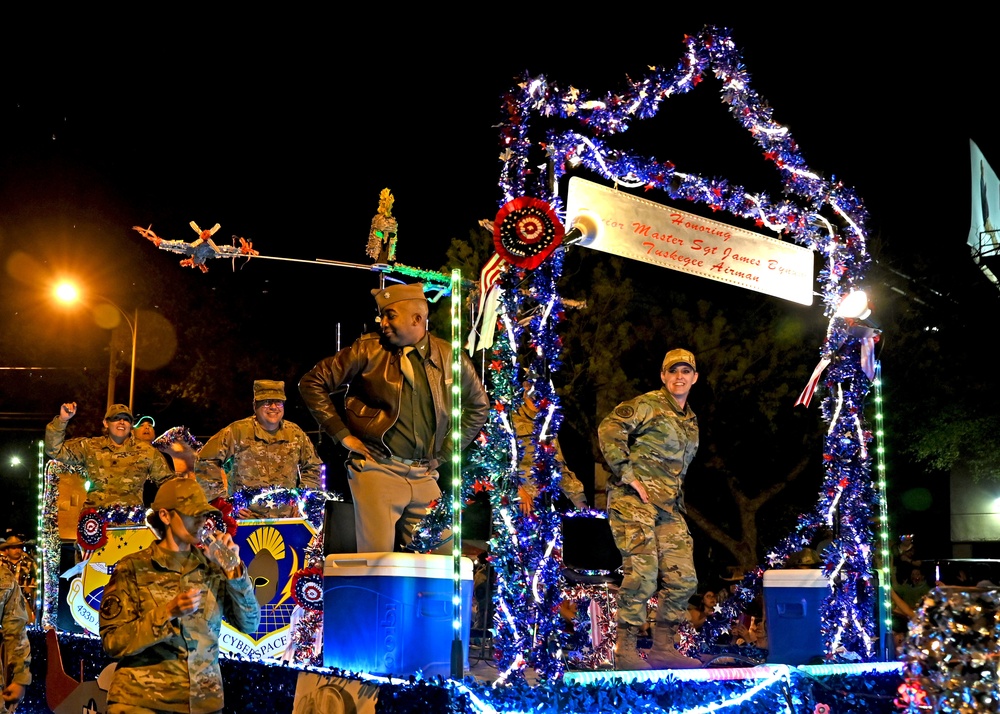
<point x="370" y="372"/>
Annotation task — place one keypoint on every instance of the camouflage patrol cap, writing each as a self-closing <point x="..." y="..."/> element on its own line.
<point x="116" y="409"/>
<point x="677" y="357"/>
<point x="264" y="389"/>
<point x="384" y="297"/>
<point x="184" y="495"/>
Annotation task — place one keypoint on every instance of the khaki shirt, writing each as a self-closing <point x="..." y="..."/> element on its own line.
<point x="171" y="663"/>
<point x="117" y="473"/>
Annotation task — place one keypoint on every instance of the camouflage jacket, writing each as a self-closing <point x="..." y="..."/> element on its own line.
<point x="23" y="570"/>
<point x="169" y="663"/>
<point x="116" y="473"/>
<point x="254" y="458"/>
<point x="523" y="421"/>
<point x="17" y="649"/>
<point x="650" y="438"/>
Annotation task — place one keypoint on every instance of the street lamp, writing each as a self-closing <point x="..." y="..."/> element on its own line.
<point x="68" y="293"/>
<point x="16" y="461"/>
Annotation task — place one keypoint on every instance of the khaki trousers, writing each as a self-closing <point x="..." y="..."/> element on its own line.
<point x="390" y="499"/>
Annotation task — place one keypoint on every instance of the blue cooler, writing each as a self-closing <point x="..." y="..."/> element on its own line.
<point x="792" y="601"/>
<point x="391" y="613"/>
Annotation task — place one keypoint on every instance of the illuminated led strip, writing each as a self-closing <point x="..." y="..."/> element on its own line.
<point x="635" y="183"/>
<point x="545" y="314"/>
<point x="800" y="172"/>
<point x="39" y="577"/>
<point x="825" y="670"/>
<point x="511" y="337"/>
<point x="456" y="469"/>
<point x="883" y="507"/>
<point x="836" y="412"/>
<point x="861" y="437"/>
<point x="710" y="674"/>
<point x="777" y="227"/>
<point x="538" y="571"/>
<point x="544" y="433"/>
<point x="513" y="441"/>
<point x="847" y="218"/>
<point x="517" y="664"/>
<point x="509" y="525"/>
<point x="833" y="506"/>
<point x="769" y="676"/>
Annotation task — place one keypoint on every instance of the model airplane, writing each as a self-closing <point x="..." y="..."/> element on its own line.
<point x="202" y="248"/>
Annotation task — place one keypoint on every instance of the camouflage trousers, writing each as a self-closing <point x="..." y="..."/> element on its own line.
<point x="656" y="547"/>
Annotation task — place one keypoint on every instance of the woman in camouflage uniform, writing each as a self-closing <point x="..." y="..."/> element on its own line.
<point x="649" y="442"/>
<point x="162" y="612"/>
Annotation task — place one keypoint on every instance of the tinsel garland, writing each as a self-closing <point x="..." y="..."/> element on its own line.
<point x="821" y="214"/>
<point x="591" y="642"/>
<point x="499" y="460"/>
<point x="176" y="435"/>
<point x="311" y="502"/>
<point x="951" y="662"/>
<point x="50" y="544"/>
<point x="526" y="548"/>
<point x="544" y="525"/>
<point x="252" y="687"/>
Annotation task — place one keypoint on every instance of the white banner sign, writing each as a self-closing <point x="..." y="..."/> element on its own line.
<point x="653" y="233"/>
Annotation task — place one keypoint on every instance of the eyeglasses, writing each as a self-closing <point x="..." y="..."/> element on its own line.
<point x="121" y="417"/>
<point x="271" y="403"/>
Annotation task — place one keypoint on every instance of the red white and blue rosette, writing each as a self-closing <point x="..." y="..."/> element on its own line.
<point x="92" y="530"/>
<point x="307" y="589"/>
<point x="526" y="231"/>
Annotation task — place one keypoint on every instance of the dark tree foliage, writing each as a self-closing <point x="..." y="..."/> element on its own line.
<point x="759" y="461"/>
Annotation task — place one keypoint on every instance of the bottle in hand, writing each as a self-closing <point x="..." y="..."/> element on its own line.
<point x="217" y="551"/>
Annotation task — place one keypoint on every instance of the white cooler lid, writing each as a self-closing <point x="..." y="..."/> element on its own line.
<point x="413" y="565"/>
<point x="795" y="578"/>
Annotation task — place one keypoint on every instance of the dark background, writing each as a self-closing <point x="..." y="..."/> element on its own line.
<point x="284" y="130"/>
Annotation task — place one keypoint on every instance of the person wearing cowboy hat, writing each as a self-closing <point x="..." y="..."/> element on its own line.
<point x="161" y="612"/>
<point x="264" y="451"/>
<point x="117" y="464"/>
<point x="396" y="417"/>
<point x="23" y="567"/>
<point x="648" y="443"/>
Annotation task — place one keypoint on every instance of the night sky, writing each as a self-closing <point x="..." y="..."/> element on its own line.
<point x="286" y="135"/>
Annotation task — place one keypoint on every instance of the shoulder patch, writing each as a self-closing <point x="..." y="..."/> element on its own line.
<point x="625" y="411"/>
<point x="111" y="607"/>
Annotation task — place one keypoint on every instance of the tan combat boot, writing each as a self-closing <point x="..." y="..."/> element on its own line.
<point x="626" y="655"/>
<point x="664" y="655"/>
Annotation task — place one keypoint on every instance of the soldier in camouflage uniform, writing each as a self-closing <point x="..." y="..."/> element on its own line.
<point x="649" y="443"/>
<point x="16" y="648"/>
<point x="161" y="613"/>
<point x="117" y="463"/>
<point x="523" y="421"/>
<point x="265" y="450"/>
<point x="23" y="567"/>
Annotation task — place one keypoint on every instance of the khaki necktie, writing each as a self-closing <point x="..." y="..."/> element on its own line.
<point x="406" y="365"/>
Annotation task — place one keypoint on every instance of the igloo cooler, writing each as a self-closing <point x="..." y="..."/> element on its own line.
<point x="792" y="601"/>
<point x="392" y="613"/>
